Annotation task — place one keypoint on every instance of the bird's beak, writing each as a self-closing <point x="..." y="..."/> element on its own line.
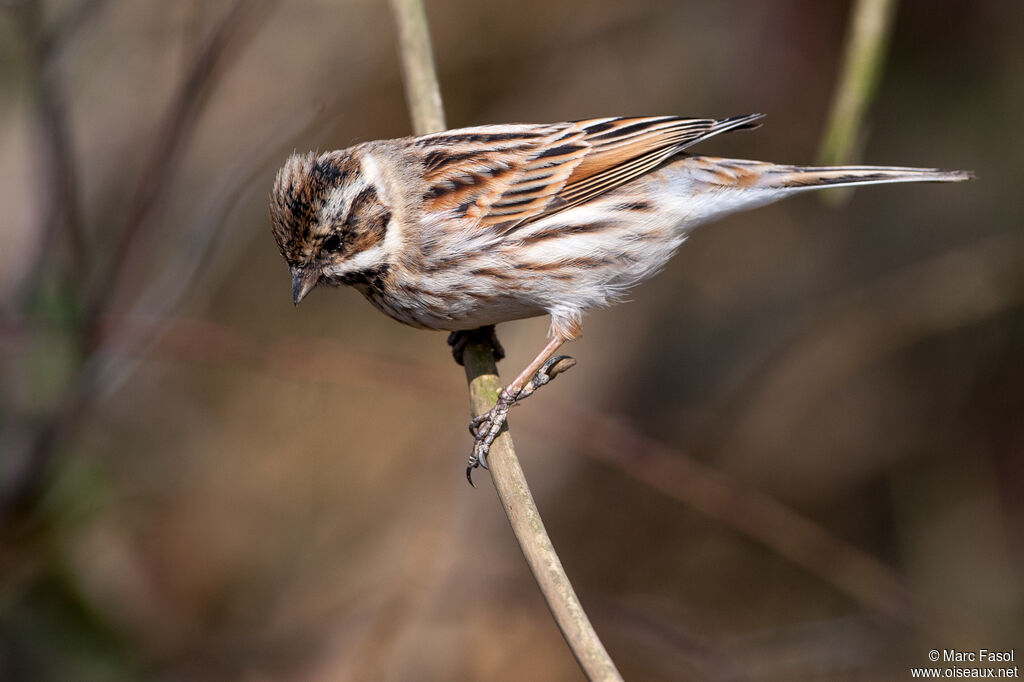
<point x="303" y="281"/>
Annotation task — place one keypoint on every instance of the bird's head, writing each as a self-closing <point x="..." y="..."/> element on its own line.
<point x="329" y="220"/>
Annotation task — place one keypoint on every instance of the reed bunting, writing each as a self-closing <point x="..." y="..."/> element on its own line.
<point x="472" y="227"/>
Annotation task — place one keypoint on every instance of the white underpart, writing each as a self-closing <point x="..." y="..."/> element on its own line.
<point x="364" y="260"/>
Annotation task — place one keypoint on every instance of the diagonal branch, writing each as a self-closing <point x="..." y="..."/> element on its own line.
<point x="484" y="385"/>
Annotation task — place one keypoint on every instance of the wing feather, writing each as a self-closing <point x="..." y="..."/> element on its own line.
<point x="507" y="176"/>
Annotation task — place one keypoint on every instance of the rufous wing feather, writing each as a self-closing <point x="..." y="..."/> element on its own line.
<point x="506" y="176"/>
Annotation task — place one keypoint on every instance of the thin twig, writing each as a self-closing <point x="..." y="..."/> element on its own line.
<point x="422" y="90"/>
<point x="867" y="42"/>
<point x="484" y="385"/>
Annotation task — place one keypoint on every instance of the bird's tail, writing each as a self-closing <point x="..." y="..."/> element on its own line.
<point x="796" y="177"/>
<point x="714" y="187"/>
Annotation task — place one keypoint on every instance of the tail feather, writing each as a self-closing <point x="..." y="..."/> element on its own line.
<point x="742" y="122"/>
<point x="715" y="187"/>
<point x="845" y="176"/>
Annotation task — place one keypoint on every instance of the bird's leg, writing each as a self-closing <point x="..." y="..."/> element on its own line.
<point x="541" y="370"/>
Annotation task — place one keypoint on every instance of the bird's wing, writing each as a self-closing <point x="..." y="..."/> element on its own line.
<point x="505" y="176"/>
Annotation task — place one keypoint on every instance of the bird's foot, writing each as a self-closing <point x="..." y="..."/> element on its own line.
<point x="459" y="340"/>
<point x="486" y="427"/>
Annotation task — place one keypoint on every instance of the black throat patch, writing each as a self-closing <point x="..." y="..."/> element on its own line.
<point x="370" y="280"/>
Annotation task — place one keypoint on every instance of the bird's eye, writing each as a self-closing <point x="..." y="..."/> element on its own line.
<point x="332" y="244"/>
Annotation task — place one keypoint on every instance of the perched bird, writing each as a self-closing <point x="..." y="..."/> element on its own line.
<point x="476" y="226"/>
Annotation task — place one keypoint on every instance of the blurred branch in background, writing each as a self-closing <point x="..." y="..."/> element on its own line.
<point x="198" y="239"/>
<point x="213" y="57"/>
<point x="867" y="42"/>
<point x="746" y="510"/>
<point x="31" y="440"/>
<point x="63" y="28"/>
<point x="425" y="106"/>
<point x="952" y="290"/>
<point x="63" y="211"/>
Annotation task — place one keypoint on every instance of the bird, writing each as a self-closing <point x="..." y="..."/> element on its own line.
<point x="471" y="227"/>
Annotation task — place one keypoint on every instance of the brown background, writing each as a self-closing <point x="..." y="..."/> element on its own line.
<point x="258" y="492"/>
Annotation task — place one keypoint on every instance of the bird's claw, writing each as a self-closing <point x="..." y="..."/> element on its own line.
<point x="485" y="427"/>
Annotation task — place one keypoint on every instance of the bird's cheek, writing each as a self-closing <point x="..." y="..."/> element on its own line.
<point x="331" y="267"/>
<point x="335" y="271"/>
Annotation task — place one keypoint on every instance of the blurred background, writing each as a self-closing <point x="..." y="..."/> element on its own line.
<point x="796" y="454"/>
